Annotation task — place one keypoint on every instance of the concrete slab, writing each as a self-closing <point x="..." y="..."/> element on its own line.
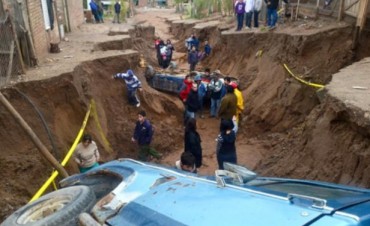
<point x="351" y="85"/>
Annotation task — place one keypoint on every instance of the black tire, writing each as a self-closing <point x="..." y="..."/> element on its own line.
<point x="62" y="208"/>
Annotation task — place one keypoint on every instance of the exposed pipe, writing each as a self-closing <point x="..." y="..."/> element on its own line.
<point x="66" y="14"/>
<point x="44" y="151"/>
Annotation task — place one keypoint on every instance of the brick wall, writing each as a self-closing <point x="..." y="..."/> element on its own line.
<point x="39" y="34"/>
<point x="76" y="13"/>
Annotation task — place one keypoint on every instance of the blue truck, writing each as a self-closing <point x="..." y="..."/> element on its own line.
<point x="129" y="192"/>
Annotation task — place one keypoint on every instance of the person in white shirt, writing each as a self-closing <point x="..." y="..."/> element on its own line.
<point x="256" y="11"/>
<point x="249" y="7"/>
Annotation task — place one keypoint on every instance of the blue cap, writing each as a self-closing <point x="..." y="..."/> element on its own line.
<point x="130" y="73"/>
<point x="198" y="78"/>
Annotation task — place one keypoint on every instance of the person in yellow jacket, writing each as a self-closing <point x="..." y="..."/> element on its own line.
<point x="239" y="100"/>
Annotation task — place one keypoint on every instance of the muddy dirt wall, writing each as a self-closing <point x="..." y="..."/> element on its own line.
<point x="63" y="101"/>
<point x="306" y="138"/>
<point x="333" y="146"/>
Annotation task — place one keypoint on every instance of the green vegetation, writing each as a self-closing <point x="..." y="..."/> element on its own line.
<point x="202" y="8"/>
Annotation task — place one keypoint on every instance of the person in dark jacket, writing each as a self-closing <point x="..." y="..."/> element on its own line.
<point x="170" y="50"/>
<point x="193" y="141"/>
<point x="192" y="102"/>
<point x="272" y="16"/>
<point x="226" y="150"/>
<point x="206" y="52"/>
<point x="117" y="12"/>
<point x="143" y="134"/>
<point x="94" y="10"/>
<point x="193" y="58"/>
<point x="100" y="5"/>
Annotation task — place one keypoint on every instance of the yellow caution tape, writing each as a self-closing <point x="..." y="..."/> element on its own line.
<point x="303" y="81"/>
<point x="65" y="160"/>
<point x="94" y="113"/>
<point x="259" y="53"/>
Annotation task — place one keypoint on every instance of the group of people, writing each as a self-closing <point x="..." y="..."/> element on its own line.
<point x="194" y="55"/>
<point x="251" y="9"/>
<point x="97" y="9"/>
<point x="164" y="52"/>
<point x="227" y="104"/>
<point x="87" y="154"/>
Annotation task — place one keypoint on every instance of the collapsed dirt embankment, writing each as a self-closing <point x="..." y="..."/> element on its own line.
<point x="64" y="100"/>
<point x="304" y="138"/>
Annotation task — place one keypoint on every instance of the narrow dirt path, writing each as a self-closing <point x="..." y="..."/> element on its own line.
<point x="248" y="150"/>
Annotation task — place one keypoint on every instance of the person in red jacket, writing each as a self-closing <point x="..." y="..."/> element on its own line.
<point x="186" y="87"/>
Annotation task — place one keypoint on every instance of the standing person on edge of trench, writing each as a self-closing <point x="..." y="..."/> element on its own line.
<point x="133" y="84"/>
<point x="249" y="6"/>
<point x="117" y="12"/>
<point x="100" y="5"/>
<point x="143" y="134"/>
<point x="240" y="11"/>
<point x="256" y="12"/>
<point x="272" y="15"/>
<point x="94" y="10"/>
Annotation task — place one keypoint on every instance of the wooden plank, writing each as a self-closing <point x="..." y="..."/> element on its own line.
<point x="297" y="10"/>
<point x="10" y="65"/>
<point x="4" y="52"/>
<point x="15" y="37"/>
<point x="317" y="8"/>
<point x="341" y="10"/>
<point x="352" y="4"/>
<point x="362" y="14"/>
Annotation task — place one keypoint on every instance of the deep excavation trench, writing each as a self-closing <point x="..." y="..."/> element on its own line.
<point x="287" y="131"/>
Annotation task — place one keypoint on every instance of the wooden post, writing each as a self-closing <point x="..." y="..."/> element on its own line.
<point x="362" y="14"/>
<point x="317" y="8"/>
<point x="15" y="37"/>
<point x="57" y="19"/>
<point x="10" y="66"/>
<point x="33" y="136"/>
<point x="341" y="10"/>
<point x="296" y="13"/>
